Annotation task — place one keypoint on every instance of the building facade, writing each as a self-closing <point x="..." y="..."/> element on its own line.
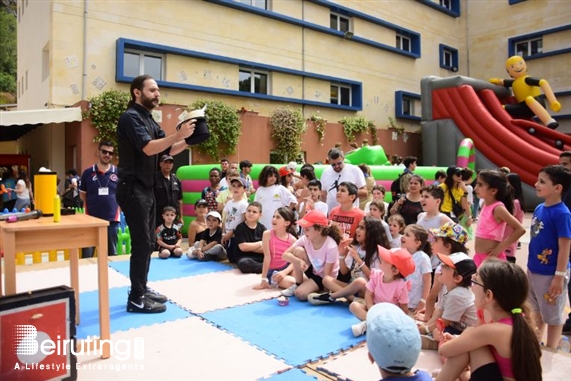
<point x="338" y="58"/>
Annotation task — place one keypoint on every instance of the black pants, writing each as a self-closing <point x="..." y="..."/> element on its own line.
<point x="251" y="264"/>
<point x="138" y="204"/>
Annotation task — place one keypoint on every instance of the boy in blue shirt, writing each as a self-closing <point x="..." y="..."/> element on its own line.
<point x="548" y="262"/>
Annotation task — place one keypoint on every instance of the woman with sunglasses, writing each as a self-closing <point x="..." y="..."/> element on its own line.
<point x="504" y="347"/>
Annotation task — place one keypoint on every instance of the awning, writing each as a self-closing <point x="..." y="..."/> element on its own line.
<point x="43" y="116"/>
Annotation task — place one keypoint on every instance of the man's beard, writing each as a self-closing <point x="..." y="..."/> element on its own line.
<point x="148" y="103"/>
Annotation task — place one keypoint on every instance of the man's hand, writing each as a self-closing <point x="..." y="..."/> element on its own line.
<point x="186" y="129"/>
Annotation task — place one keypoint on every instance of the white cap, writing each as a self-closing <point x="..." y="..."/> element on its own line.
<point x="215" y="214"/>
<point x="292" y="165"/>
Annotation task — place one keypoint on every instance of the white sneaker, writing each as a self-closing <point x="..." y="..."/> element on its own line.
<point x="190" y="253"/>
<point x="359" y="329"/>
<point x="289" y="291"/>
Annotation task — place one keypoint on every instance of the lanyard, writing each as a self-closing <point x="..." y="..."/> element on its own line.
<point x="97" y="175"/>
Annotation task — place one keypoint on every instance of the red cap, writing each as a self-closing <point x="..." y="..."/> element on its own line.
<point x="313" y="217"/>
<point x="284" y="171"/>
<point x="399" y="258"/>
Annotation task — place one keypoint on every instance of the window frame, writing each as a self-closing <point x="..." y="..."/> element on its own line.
<point x="404" y="96"/>
<point x="340" y="16"/>
<point x="142" y="54"/>
<point x="339" y="98"/>
<point x="529" y="42"/>
<point x="445" y="50"/>
<point x="266" y="7"/>
<point x="399" y="44"/>
<point x="253" y="83"/>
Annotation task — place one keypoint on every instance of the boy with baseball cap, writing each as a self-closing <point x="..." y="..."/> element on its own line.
<point x="393" y="343"/>
<point x="457" y="310"/>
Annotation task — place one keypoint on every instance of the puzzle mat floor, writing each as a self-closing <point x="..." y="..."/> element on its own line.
<point x="218" y="328"/>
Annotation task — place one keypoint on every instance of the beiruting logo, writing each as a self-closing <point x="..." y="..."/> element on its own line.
<point x="33" y="347"/>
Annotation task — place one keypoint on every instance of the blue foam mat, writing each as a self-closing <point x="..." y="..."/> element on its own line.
<point x="172" y="268"/>
<point x="121" y="320"/>
<point x="291" y="375"/>
<point x="297" y="333"/>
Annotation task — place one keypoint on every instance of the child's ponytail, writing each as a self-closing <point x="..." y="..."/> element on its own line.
<point x="510" y="287"/>
<point x="332" y="231"/>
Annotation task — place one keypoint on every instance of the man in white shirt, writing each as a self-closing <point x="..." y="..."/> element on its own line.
<point x="336" y="173"/>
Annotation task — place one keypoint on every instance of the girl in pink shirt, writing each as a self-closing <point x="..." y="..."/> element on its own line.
<point x="275" y="242"/>
<point x="504" y="347"/>
<point x="385" y="285"/>
<point x="315" y="255"/>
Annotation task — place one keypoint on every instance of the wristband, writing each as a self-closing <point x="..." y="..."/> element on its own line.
<point x="560" y="273"/>
<point x="422" y="300"/>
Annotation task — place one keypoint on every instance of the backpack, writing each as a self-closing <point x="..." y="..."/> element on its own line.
<point x="396" y="186"/>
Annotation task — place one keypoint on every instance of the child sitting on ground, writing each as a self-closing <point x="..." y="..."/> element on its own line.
<point x="346" y="215"/>
<point x="457" y="311"/>
<point x="387" y="284"/>
<point x="393" y="343"/>
<point x="312" y="202"/>
<point x="209" y="247"/>
<point x="505" y="347"/>
<point x="198" y="225"/>
<point x="168" y="235"/>
<point x="315" y="255"/>
<point x="449" y="238"/>
<point x="377" y="210"/>
<point x="233" y="215"/>
<point x="249" y="252"/>
<point x="276" y="241"/>
<point x="415" y="240"/>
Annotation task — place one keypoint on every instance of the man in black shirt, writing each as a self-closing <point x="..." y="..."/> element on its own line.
<point x="168" y="190"/>
<point x="140" y="140"/>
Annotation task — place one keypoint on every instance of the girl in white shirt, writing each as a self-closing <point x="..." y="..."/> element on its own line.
<point x="272" y="195"/>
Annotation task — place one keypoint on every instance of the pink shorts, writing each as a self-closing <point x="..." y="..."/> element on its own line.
<point x="481" y="257"/>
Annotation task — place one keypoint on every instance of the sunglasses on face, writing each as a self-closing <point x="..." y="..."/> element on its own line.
<point x="105" y="152"/>
<point x="337" y="164"/>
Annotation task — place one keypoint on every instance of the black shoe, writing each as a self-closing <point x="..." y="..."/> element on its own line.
<point x="567" y="326"/>
<point x="155" y="296"/>
<point x="320" y="299"/>
<point x="146" y="306"/>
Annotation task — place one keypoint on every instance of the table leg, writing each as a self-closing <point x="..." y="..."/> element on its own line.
<point x="103" y="279"/>
<point x="74" y="276"/>
<point x="9" y="246"/>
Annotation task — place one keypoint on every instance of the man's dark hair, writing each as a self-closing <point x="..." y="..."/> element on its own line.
<point x="409" y="160"/>
<point x="334" y="153"/>
<point x="245" y="164"/>
<point x="71" y="171"/>
<point x="105" y="143"/>
<point x="137" y="83"/>
<point x="565" y="154"/>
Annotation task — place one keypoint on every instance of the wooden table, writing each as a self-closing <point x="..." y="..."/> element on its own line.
<point x="72" y="232"/>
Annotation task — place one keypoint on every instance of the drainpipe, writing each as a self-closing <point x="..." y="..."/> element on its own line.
<point x="303" y="58"/>
<point x="84" y="69"/>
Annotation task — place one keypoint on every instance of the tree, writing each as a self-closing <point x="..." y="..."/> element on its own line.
<point x="8" y="46"/>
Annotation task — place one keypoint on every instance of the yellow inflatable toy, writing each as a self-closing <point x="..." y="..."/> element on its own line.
<point x="527" y="91"/>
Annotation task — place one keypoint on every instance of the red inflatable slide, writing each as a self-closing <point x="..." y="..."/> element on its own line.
<point x="502" y="140"/>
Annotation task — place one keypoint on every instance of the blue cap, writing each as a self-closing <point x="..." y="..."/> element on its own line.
<point x="392" y="338"/>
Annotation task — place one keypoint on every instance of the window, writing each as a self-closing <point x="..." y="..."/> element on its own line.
<point x="138" y="63"/>
<point x="403" y="43"/>
<point x="263" y="4"/>
<point x="259" y="85"/>
<point x="529" y="47"/>
<point x="407" y="105"/>
<point x="340" y="23"/>
<point x="340" y="95"/>
<point x="448" y="58"/>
